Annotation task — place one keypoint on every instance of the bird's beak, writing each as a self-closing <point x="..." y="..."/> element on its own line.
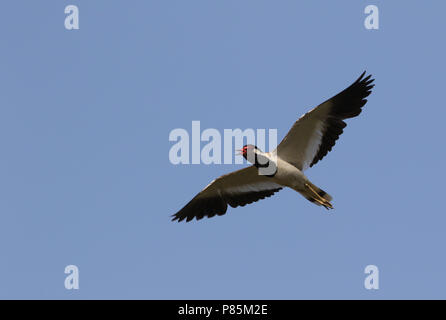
<point x="239" y="152"/>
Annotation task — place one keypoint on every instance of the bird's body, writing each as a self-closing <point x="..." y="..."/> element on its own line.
<point x="308" y="141"/>
<point x="287" y="175"/>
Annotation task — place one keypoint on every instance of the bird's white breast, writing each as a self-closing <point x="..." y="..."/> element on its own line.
<point x="289" y="176"/>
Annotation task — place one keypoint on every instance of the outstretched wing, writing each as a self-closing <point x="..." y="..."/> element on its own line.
<point x="316" y="132"/>
<point x="237" y="188"/>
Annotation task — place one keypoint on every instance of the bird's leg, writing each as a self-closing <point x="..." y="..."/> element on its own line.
<point x="318" y="198"/>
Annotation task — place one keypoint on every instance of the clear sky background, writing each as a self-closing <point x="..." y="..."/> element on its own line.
<point x="85" y="177"/>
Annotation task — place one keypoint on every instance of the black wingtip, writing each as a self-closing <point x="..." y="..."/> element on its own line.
<point x="175" y="217"/>
<point x="362" y="75"/>
<point x="179" y="218"/>
<point x="367" y="80"/>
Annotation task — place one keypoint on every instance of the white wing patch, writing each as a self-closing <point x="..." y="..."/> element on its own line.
<point x="255" y="187"/>
<point x="313" y="145"/>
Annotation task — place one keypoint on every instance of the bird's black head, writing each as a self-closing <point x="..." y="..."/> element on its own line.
<point x="247" y="149"/>
<point x="259" y="159"/>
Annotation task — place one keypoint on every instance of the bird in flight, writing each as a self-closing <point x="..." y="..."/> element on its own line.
<point x="310" y="138"/>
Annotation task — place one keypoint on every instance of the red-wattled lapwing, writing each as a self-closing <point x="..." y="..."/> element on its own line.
<point x="308" y="141"/>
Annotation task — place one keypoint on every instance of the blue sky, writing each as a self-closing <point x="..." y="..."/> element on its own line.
<point x="85" y="176"/>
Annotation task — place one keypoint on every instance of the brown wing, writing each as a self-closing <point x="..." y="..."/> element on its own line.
<point x="316" y="132"/>
<point x="237" y="188"/>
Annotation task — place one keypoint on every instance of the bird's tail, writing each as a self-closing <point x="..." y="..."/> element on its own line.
<point x="317" y="195"/>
